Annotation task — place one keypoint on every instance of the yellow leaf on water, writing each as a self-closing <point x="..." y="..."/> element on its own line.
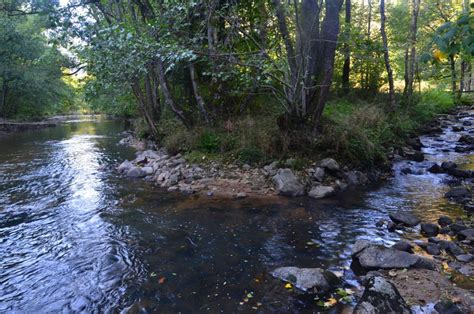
<point x="330" y="302"/>
<point x="288" y="286"/>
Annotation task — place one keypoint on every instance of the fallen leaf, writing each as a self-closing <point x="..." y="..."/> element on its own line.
<point x="153" y="274"/>
<point x="288" y="286"/>
<point x="162" y="280"/>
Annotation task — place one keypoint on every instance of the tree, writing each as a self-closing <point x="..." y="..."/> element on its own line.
<point x="410" y="52"/>
<point x="347" y="52"/>
<point x="391" y="92"/>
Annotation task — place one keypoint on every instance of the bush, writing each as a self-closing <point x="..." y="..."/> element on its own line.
<point x="210" y="142"/>
<point x="251" y="155"/>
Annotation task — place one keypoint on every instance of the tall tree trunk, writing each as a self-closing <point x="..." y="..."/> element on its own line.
<point x="197" y="95"/>
<point x="391" y="91"/>
<point x="412" y="55"/>
<point x="329" y="34"/>
<point x="346" y="69"/>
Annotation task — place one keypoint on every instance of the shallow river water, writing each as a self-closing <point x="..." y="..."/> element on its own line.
<point x="75" y="236"/>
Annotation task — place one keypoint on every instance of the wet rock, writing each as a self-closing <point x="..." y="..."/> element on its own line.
<point x="433" y="249"/>
<point x="458" y="192"/>
<point x="466" y="234"/>
<point x="311" y="280"/>
<point x="435" y="169"/>
<point x="403" y="246"/>
<point x="467" y="123"/>
<point x="321" y="191"/>
<point x="136" y="172"/>
<point x="380" y="223"/>
<point x="465" y="258"/>
<point x="448" y="165"/>
<point x="287" y="183"/>
<point x="429" y="229"/>
<point x="444" y="230"/>
<point x="391" y="226"/>
<point x="457" y="227"/>
<point x="329" y="164"/>
<point x="404" y="218"/>
<point x="444" y="221"/>
<point x="271" y="169"/>
<point x="414" y="155"/>
<point x="381" y="296"/>
<point x="352" y="178"/>
<point x="460" y="173"/>
<point x="457" y="128"/>
<point x="124" y="166"/>
<point x="415" y="143"/>
<point x="372" y="256"/>
<point x="451" y="248"/>
<point x="447" y="307"/>
<point x="467" y="139"/>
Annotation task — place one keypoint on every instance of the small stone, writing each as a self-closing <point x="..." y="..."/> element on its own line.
<point x="433" y="249"/>
<point x="448" y="165"/>
<point x="447" y="307"/>
<point x="466" y="234"/>
<point x="435" y="169"/>
<point x="458" y="192"/>
<point x="457" y="227"/>
<point x="136" y="172"/>
<point x="444" y="221"/>
<point x="319" y="174"/>
<point x="429" y="229"/>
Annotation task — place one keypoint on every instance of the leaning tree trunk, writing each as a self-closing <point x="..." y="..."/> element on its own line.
<point x="329" y="34"/>
<point x="346" y="69"/>
<point x="391" y="91"/>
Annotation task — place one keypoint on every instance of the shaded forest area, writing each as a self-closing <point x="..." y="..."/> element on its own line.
<point x="247" y="80"/>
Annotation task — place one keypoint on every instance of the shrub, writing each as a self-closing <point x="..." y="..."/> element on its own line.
<point x="210" y="142"/>
<point x="251" y="155"/>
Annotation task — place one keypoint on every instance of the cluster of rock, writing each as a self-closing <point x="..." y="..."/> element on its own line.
<point x="173" y="172"/>
<point x="320" y="181"/>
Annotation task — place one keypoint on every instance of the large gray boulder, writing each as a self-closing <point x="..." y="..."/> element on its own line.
<point x="321" y="191"/>
<point x="369" y="256"/>
<point x="311" y="280"/>
<point x="329" y="164"/>
<point x="136" y="172"/>
<point x="287" y="183"/>
<point x="124" y="166"/>
<point x="381" y="296"/>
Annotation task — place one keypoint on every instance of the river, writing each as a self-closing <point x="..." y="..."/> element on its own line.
<point x="75" y="236"/>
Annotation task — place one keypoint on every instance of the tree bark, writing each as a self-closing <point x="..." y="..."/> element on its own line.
<point x="452" y="63"/>
<point x="144" y="108"/>
<point x="391" y="92"/>
<point x="199" y="101"/>
<point x="3" y="98"/>
<point x="346" y="69"/>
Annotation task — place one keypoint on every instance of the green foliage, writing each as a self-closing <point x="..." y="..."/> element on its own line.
<point x="209" y="142"/>
<point x="31" y="79"/>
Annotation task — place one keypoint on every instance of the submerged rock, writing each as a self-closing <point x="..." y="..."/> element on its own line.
<point x="458" y="192"/>
<point x="447" y="307"/>
<point x="321" y="191"/>
<point x="311" y="280"/>
<point x="448" y="165"/>
<point x="381" y="296"/>
<point x="404" y="218"/>
<point x="444" y="221"/>
<point x="124" y="166"/>
<point x="287" y="183"/>
<point x="435" y="168"/>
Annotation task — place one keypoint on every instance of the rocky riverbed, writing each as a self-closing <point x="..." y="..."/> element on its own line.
<point x="431" y="270"/>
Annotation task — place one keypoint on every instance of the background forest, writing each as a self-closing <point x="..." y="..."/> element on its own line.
<point x="247" y="80"/>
